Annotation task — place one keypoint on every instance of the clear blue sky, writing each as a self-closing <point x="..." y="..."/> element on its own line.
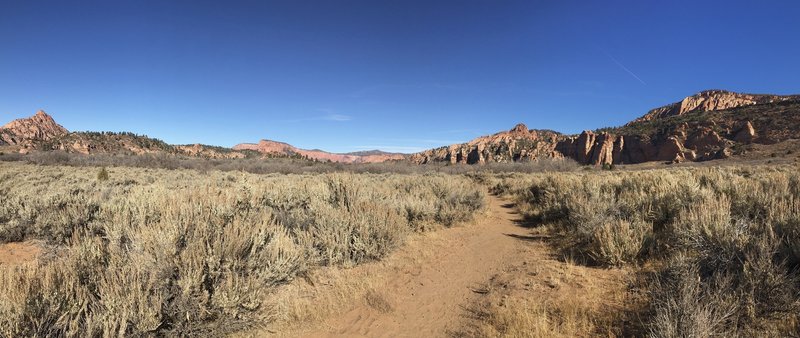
<point x="394" y="75"/>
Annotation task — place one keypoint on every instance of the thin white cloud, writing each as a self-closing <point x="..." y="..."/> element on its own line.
<point x="458" y="131"/>
<point x="391" y="149"/>
<point x="423" y="140"/>
<point x="327" y="117"/>
<point x="625" y="68"/>
<point x="337" y="117"/>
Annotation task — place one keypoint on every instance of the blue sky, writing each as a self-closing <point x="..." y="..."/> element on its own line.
<point x="394" y="75"/>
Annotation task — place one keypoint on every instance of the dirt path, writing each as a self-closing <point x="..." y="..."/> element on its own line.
<point x="20" y="252"/>
<point x="429" y="299"/>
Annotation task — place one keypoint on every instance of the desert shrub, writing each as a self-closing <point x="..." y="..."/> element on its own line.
<point x="618" y="241"/>
<point x="263" y="164"/>
<point x="175" y="252"/>
<point x="685" y="306"/>
<point x="726" y="236"/>
<point x="102" y="175"/>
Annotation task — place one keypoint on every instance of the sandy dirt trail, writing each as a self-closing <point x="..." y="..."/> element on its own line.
<point x="429" y="299"/>
<point x="20" y="252"/>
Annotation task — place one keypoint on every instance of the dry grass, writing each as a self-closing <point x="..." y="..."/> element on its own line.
<point x="529" y="318"/>
<point x="257" y="164"/>
<point x="175" y="252"/>
<point x="550" y="298"/>
<point x="724" y="241"/>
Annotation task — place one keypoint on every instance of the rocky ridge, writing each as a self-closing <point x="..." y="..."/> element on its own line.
<point x="710" y="100"/>
<point x="709" y="125"/>
<point x="27" y="131"/>
<point x="40" y="132"/>
<point x="269" y="147"/>
<point x="517" y="144"/>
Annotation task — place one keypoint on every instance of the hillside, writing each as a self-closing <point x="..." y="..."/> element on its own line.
<point x="710" y="125"/>
<point x="713" y="124"/>
<point x="26" y="132"/>
<point x="517" y="144"/>
<point x="40" y="132"/>
<point x="711" y="100"/>
<point x="272" y="148"/>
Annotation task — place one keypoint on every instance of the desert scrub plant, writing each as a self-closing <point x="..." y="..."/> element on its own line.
<point x="102" y="175"/>
<point x="176" y="252"/>
<point x="727" y="236"/>
<point x="685" y="306"/>
<point x="619" y="241"/>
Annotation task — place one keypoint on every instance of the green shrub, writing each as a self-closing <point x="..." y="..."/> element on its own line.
<point x="102" y="175"/>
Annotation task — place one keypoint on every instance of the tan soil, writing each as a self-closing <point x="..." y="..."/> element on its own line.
<point x="20" y="252"/>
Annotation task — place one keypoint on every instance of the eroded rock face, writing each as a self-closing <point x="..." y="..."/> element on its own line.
<point x="746" y="134"/>
<point x="710" y="100"/>
<point x="670" y="150"/>
<point x="617" y="151"/>
<point x="583" y="146"/>
<point x="603" y="150"/>
<point x="682" y="143"/>
<point x="514" y="145"/>
<point x="705" y="142"/>
<point x="26" y="131"/>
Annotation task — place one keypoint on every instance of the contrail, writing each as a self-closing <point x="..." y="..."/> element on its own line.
<point x="624" y="68"/>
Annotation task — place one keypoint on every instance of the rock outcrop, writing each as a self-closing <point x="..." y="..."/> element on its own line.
<point x="515" y="145"/>
<point x="711" y="100"/>
<point x="589" y="148"/>
<point x="746" y="134"/>
<point x="653" y="137"/>
<point x="206" y="151"/>
<point x="40" y="132"/>
<point x="274" y="148"/>
<point x="27" y="131"/>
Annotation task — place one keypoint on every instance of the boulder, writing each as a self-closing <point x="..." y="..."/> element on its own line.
<point x="746" y="134"/>
<point x="723" y="154"/>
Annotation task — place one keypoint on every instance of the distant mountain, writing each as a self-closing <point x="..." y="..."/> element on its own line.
<point x="281" y="148"/>
<point x="40" y="132"/>
<point x="373" y="152"/>
<point x="712" y="124"/>
<point x="709" y="125"/>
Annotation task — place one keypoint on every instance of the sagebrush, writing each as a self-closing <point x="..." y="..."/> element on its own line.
<point x="724" y="241"/>
<point x="151" y="252"/>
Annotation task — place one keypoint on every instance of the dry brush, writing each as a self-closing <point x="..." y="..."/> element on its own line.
<point x="723" y="241"/>
<point x="152" y="252"/>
